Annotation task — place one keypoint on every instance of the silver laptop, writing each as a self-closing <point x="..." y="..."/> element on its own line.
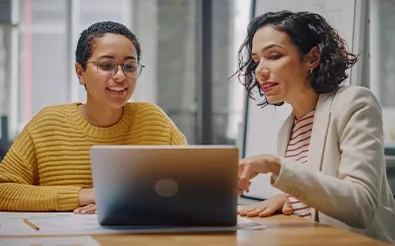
<point x="165" y="185"/>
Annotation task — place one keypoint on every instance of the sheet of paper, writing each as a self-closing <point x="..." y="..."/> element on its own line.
<point x="244" y="223"/>
<point x="49" y="241"/>
<point x="11" y="224"/>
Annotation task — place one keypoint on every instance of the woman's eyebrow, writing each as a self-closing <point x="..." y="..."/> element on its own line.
<point x="268" y="47"/>
<point x="113" y="57"/>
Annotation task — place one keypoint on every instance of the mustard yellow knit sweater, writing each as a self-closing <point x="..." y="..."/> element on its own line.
<point x="49" y="161"/>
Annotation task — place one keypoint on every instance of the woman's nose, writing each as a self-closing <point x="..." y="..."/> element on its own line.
<point x="261" y="72"/>
<point x="119" y="74"/>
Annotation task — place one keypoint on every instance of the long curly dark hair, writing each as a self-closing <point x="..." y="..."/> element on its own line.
<point x="305" y="30"/>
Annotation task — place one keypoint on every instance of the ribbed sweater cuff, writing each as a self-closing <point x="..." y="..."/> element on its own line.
<point x="68" y="198"/>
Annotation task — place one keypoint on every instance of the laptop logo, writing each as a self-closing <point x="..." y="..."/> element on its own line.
<point x="166" y="187"/>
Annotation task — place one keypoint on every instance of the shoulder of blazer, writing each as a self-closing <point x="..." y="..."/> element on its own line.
<point x="348" y="97"/>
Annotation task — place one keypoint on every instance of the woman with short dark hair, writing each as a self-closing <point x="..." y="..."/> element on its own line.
<point x="48" y="166"/>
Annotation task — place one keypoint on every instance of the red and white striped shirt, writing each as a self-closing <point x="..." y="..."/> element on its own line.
<point x="298" y="150"/>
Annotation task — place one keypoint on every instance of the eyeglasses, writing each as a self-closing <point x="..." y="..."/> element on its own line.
<point x="108" y="68"/>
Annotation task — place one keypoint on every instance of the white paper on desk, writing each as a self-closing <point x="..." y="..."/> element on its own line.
<point x="11" y="224"/>
<point x="246" y="224"/>
<point x="49" y="241"/>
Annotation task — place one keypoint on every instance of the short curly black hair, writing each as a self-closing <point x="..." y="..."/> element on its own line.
<point x="305" y="30"/>
<point x="97" y="30"/>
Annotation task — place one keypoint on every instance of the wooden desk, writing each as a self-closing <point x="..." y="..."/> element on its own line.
<point x="281" y="230"/>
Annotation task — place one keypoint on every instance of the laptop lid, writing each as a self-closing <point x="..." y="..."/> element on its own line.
<point x="165" y="185"/>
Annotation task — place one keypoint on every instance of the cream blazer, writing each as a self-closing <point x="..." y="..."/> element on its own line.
<point x="344" y="180"/>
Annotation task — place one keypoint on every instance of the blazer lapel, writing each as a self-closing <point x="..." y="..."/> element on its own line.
<point x="318" y="137"/>
<point x="320" y="128"/>
<point x="283" y="136"/>
<point x="318" y="134"/>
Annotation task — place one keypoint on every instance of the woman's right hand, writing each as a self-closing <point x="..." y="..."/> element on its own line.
<point x="86" y="197"/>
<point x="88" y="209"/>
<point x="244" y="186"/>
<point x="266" y="208"/>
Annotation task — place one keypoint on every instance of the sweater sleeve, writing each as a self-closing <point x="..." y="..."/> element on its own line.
<point x="176" y="137"/>
<point x="19" y="182"/>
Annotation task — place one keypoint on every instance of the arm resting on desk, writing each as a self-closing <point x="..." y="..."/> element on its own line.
<point x="19" y="190"/>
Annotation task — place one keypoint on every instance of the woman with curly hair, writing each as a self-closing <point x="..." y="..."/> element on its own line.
<point x="330" y="164"/>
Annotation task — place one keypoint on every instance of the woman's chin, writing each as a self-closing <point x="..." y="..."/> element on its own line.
<point x="117" y="104"/>
<point x="274" y="99"/>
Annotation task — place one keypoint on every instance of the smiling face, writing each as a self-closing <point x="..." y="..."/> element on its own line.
<point x="281" y="72"/>
<point x="103" y="89"/>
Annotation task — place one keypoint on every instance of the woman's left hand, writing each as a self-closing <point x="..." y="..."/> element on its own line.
<point x="88" y="209"/>
<point x="251" y="166"/>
